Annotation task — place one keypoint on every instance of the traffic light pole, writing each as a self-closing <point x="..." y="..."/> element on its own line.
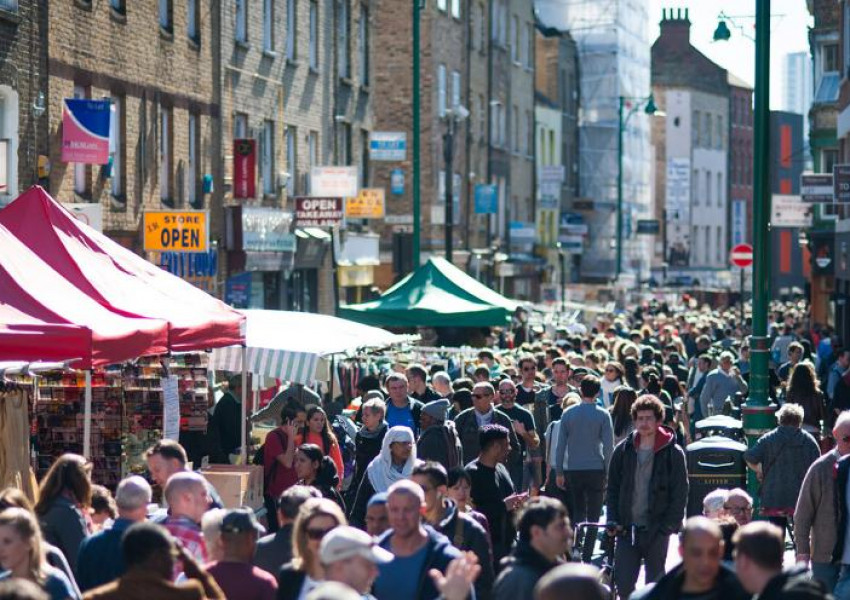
<point x="757" y="413"/>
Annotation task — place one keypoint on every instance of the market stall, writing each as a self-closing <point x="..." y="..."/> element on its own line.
<point x="437" y="294"/>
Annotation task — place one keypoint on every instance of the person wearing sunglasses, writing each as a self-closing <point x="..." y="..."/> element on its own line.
<point x="316" y="518"/>
<point x="814" y="516"/>
<point x="484" y="412"/>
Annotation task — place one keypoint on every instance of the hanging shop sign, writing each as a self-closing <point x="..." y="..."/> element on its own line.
<point x="175" y="231"/>
<point x="397" y="182"/>
<point x="334" y="182"/>
<point x="368" y="204"/>
<point x="85" y="131"/>
<point x="318" y="212"/>
<point x="388" y="145"/>
<point x="789" y="211"/>
<point x="244" y="169"/>
<point x="267" y="230"/>
<point x="841" y="183"/>
<point x="816" y="187"/>
<point x="486" y="199"/>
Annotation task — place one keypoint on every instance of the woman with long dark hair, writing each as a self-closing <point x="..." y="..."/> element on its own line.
<point x="631" y="368"/>
<point x="63" y="499"/>
<point x="621" y="412"/>
<point x="315" y="469"/>
<point x="803" y="389"/>
<point x="317" y="430"/>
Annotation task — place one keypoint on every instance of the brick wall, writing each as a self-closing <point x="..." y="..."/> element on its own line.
<point x="22" y="73"/>
<point x="129" y="55"/>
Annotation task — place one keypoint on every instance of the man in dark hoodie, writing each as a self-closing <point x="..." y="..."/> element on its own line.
<point x="647" y="494"/>
<point x="439" y="440"/>
<point x="417" y="548"/>
<point x="701" y="574"/>
<point x="758" y="562"/>
<point x="544" y="537"/>
<point x="462" y="530"/>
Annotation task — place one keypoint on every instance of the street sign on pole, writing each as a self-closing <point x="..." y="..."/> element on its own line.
<point x="816" y="187"/>
<point x="841" y="182"/>
<point x="741" y="255"/>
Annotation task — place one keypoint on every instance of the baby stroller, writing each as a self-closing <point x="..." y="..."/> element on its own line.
<point x="606" y="563"/>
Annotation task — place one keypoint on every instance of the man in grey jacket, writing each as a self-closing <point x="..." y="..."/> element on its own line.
<point x="586" y="441"/>
<point x="724" y="381"/>
<point x="814" y="516"/>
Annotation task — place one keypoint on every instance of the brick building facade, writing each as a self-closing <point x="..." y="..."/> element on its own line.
<point x="154" y="60"/>
<point x="23" y="78"/>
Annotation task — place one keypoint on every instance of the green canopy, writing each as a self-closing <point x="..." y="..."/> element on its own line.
<point x="437" y="294"/>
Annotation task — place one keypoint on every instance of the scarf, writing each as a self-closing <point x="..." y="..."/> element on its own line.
<point x="380" y="471"/>
<point x="608" y="388"/>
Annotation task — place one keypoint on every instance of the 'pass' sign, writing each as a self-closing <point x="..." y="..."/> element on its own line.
<point x="318" y="212"/>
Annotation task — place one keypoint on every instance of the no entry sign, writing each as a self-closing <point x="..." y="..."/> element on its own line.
<point x="741" y="255"/>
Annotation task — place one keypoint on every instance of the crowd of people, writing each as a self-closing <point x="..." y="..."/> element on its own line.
<point x="508" y="478"/>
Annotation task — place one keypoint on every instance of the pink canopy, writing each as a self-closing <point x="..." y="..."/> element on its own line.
<point x="28" y="339"/>
<point x="33" y="288"/>
<point x="118" y="279"/>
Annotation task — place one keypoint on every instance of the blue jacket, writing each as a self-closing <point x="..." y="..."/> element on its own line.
<point x="439" y="554"/>
<point x="101" y="560"/>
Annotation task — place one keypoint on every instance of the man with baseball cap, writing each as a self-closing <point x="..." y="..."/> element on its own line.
<point x="351" y="556"/>
<point x="235" y="573"/>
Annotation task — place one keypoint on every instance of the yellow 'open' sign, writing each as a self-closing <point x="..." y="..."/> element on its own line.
<point x="175" y="231"/>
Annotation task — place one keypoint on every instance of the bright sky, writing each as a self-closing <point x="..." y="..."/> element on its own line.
<point x="789" y="33"/>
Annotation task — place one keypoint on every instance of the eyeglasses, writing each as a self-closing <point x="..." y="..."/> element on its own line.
<point x="507" y="392"/>
<point x="317" y="534"/>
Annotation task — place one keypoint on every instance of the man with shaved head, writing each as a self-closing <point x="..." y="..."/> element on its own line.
<point x="700" y="574"/>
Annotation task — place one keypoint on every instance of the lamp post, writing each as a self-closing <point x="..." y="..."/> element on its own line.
<point x="562" y="260"/>
<point x="453" y="116"/>
<point x="757" y="412"/>
<point x="417" y="7"/>
<point x="649" y="108"/>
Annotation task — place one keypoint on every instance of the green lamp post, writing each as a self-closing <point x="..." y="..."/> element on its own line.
<point x="757" y="412"/>
<point x="649" y="108"/>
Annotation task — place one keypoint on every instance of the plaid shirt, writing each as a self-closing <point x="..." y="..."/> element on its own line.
<point x="189" y="534"/>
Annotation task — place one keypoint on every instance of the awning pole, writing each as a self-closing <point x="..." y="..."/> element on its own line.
<point x="87" y="417"/>
<point x="243" y="452"/>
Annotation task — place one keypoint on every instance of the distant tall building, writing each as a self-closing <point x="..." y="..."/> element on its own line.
<point x="797" y="95"/>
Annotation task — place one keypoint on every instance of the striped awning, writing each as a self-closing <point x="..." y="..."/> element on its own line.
<point x="290" y="346"/>
<point x="297" y="367"/>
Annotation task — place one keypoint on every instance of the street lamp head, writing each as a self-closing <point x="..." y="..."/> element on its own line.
<point x="722" y="33"/>
<point x="650" y="107"/>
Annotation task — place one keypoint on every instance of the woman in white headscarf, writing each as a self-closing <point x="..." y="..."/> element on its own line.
<point x="394" y="463"/>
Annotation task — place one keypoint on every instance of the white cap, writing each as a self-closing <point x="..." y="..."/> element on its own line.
<point x="344" y="542"/>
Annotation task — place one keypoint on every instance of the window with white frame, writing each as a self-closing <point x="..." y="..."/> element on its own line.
<point x="193" y="173"/>
<point x="455" y="89"/>
<point x="165" y="15"/>
<point x="240" y="126"/>
<point x="165" y="156"/>
<point x="456" y="9"/>
<point x="291" y="29"/>
<point x="343" y="43"/>
<point x="529" y="135"/>
<point x="345" y="143"/>
<point x="80" y="170"/>
<point x="719" y="140"/>
<point x="441" y="90"/>
<point x="720" y="189"/>
<point x="442" y="5"/>
<point x="290" y="140"/>
<point x="240" y="33"/>
<point x="364" y="44"/>
<point x="268" y="25"/>
<point x="695" y="128"/>
<point x="116" y="145"/>
<point x="193" y="29"/>
<point x="708" y="188"/>
<point x="515" y="128"/>
<point x="695" y="191"/>
<point x="482" y="117"/>
<point x="707" y="132"/>
<point x="515" y="39"/>
<point x="267" y="165"/>
<point x="529" y="46"/>
<point x="314" y="35"/>
<point x="523" y="55"/>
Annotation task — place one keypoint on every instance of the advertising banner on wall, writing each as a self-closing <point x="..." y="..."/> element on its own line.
<point x="85" y="131"/>
<point x="244" y="168"/>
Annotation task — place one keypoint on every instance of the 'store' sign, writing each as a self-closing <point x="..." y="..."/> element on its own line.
<point x="318" y="212"/>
